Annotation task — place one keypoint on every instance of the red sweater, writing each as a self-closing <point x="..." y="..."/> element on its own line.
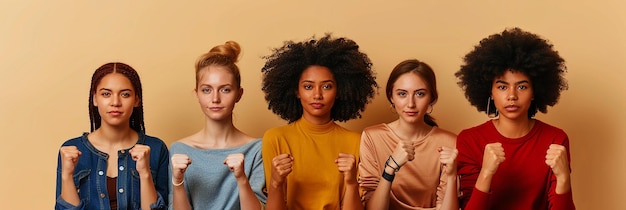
<point x="523" y="180"/>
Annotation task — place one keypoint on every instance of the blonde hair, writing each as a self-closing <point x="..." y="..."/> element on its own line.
<point x="225" y="55"/>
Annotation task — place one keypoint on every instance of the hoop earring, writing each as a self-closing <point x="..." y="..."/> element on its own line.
<point x="431" y="109"/>
<point x="392" y="108"/>
<point x="489" y="115"/>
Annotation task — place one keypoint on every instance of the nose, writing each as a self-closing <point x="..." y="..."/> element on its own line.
<point x="411" y="103"/>
<point x="512" y="96"/>
<point x="317" y="94"/>
<point x="216" y="97"/>
<point x="116" y="100"/>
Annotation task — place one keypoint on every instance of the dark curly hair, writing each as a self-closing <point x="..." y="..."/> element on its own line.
<point x="352" y="69"/>
<point x="136" y="118"/>
<point x="513" y="50"/>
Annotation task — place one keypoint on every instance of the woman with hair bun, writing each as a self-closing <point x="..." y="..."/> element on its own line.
<point x="227" y="168"/>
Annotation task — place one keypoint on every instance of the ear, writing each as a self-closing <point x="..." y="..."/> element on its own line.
<point x="239" y="94"/>
<point x="137" y="101"/>
<point x="93" y="100"/>
<point x="297" y="94"/>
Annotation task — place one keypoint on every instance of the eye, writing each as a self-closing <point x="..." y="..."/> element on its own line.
<point x="522" y="87"/>
<point x="105" y="94"/>
<point x="206" y="90"/>
<point x="327" y="86"/>
<point x="225" y="90"/>
<point x="307" y="87"/>
<point x="125" y="94"/>
<point x="402" y="94"/>
<point x="420" y="93"/>
<point x="501" y="87"/>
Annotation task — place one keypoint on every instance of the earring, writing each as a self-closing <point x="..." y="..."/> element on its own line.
<point x="431" y="109"/>
<point x="392" y="108"/>
<point x="489" y="115"/>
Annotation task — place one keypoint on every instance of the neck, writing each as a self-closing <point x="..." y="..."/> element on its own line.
<point x="316" y="120"/>
<point x="513" y="128"/>
<point x="411" y="131"/>
<point x="218" y="133"/>
<point x="115" y="136"/>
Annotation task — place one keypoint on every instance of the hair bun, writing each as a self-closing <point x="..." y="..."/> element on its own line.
<point x="229" y="49"/>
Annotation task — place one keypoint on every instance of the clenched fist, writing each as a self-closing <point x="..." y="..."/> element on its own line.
<point x="180" y="163"/>
<point x="235" y="164"/>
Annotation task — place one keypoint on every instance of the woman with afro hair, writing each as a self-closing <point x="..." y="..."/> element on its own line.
<point x="513" y="161"/>
<point x="311" y="163"/>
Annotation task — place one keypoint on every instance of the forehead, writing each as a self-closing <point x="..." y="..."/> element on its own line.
<point x="317" y="73"/>
<point x="215" y="74"/>
<point x="512" y="77"/>
<point x="410" y="80"/>
<point x="115" y="81"/>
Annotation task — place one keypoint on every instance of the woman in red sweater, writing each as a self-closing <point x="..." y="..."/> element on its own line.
<point x="513" y="161"/>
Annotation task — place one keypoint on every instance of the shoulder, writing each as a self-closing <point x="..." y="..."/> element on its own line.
<point x="444" y="134"/>
<point x="76" y="141"/>
<point x="279" y="131"/>
<point x="477" y="129"/>
<point x="376" y="128"/>
<point x="154" y="142"/>
<point x="545" y="127"/>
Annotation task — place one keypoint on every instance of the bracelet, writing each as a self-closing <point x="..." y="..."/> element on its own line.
<point x="394" y="161"/>
<point x="177" y="184"/>
<point x="387" y="176"/>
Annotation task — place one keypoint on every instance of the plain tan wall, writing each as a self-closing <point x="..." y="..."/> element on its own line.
<point x="49" y="49"/>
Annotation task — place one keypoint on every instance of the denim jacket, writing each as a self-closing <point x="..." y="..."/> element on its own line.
<point x="90" y="176"/>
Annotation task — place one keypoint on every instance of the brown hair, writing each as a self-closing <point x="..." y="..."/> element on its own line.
<point x="221" y="55"/>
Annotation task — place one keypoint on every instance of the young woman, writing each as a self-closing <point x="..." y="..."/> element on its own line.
<point x="513" y="161"/>
<point x="227" y="168"/>
<point x="428" y="182"/>
<point x="116" y="166"/>
<point x="312" y="162"/>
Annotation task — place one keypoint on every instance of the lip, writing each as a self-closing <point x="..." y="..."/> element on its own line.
<point x="411" y="113"/>
<point x="511" y="108"/>
<point x="216" y="108"/>
<point x="115" y="113"/>
<point x="317" y="105"/>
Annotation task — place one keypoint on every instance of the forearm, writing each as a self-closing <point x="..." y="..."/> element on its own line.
<point x="68" y="190"/>
<point x="483" y="183"/>
<point x="380" y="198"/>
<point x="352" y="199"/>
<point x="247" y="198"/>
<point x="180" y="200"/>
<point x="563" y="184"/>
<point x="276" y="197"/>
<point x="148" y="192"/>
<point x="450" y="199"/>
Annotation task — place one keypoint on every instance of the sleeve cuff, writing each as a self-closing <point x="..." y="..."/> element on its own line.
<point x="62" y="204"/>
<point x="159" y="204"/>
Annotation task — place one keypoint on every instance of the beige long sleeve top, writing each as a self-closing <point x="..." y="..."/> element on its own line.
<point x="421" y="183"/>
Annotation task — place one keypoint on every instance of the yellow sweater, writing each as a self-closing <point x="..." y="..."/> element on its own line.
<point x="315" y="182"/>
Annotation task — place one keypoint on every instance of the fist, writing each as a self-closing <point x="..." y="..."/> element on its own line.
<point x="556" y="158"/>
<point x="447" y="157"/>
<point x="180" y="162"/>
<point x="493" y="156"/>
<point x="141" y="154"/>
<point x="235" y="164"/>
<point x="281" y="167"/>
<point x="69" y="159"/>
<point x="404" y="152"/>
<point x="346" y="163"/>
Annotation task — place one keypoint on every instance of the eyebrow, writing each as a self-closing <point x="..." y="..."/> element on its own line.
<point x="516" y="83"/>
<point x="106" y="89"/>
<point x="421" y="89"/>
<point x="330" y="80"/>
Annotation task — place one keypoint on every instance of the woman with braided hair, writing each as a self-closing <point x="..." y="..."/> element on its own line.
<point x="116" y="166"/>
<point x="311" y="163"/>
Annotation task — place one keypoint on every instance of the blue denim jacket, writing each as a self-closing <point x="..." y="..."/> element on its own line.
<point x="90" y="176"/>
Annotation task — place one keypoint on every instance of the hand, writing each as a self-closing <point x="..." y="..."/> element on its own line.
<point x="447" y="157"/>
<point x="281" y="167"/>
<point x="556" y="158"/>
<point x="235" y="164"/>
<point x="141" y="154"/>
<point x="180" y="163"/>
<point x="346" y="163"/>
<point x="69" y="159"/>
<point x="493" y="156"/>
<point x="405" y="151"/>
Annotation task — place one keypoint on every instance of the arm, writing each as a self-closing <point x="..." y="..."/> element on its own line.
<point x="560" y="194"/>
<point x="346" y="163"/>
<point x="141" y="154"/>
<point x="68" y="158"/>
<point x="404" y="152"/>
<point x="281" y="166"/>
<point x="448" y="157"/>
<point x="493" y="155"/>
<point x="180" y="199"/>
<point x="247" y="198"/>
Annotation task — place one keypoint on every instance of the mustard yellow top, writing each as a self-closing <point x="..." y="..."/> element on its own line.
<point x="315" y="182"/>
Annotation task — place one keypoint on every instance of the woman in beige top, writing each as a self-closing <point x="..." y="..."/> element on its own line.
<point x="409" y="163"/>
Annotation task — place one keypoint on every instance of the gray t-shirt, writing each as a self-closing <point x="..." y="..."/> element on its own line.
<point x="209" y="183"/>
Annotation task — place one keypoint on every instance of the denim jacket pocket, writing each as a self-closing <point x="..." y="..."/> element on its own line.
<point x="81" y="180"/>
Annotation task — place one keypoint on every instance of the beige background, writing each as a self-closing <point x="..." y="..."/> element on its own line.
<point x="49" y="49"/>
